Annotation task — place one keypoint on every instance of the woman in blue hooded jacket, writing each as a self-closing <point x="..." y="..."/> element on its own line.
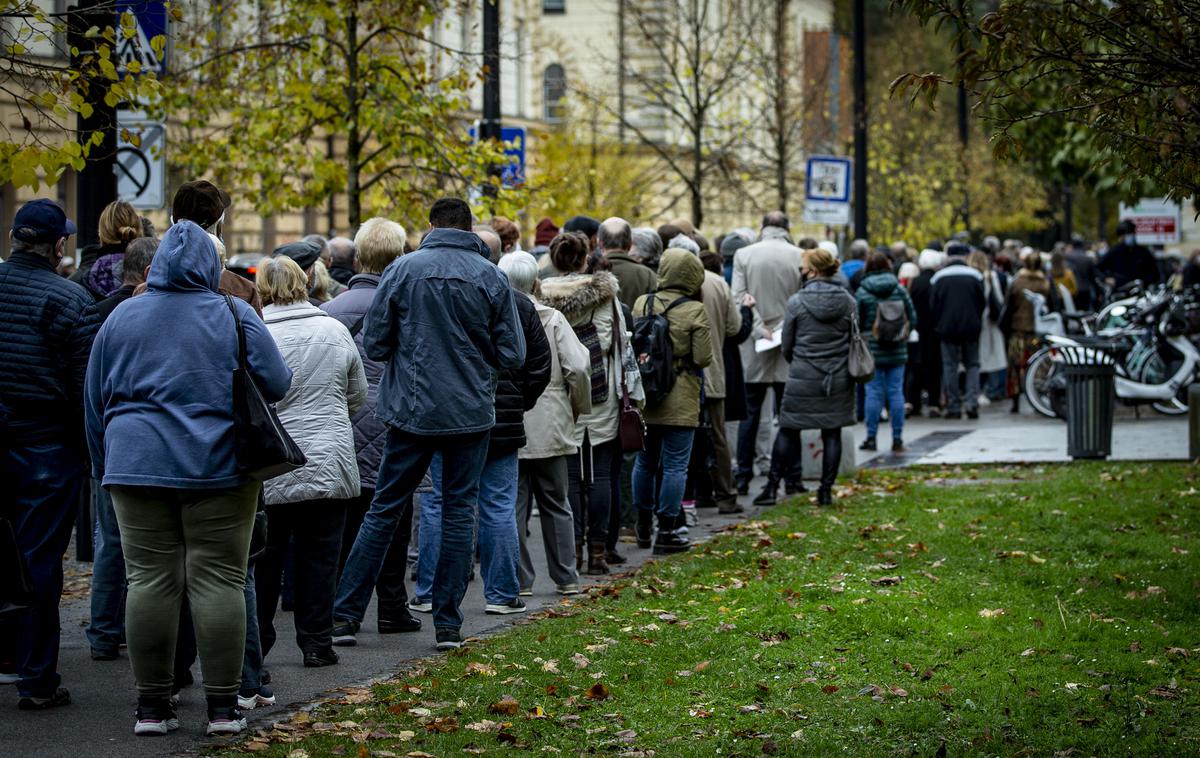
<point x="160" y="431"/>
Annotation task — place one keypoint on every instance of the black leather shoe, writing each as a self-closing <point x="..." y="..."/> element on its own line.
<point x="613" y="558"/>
<point x="59" y="698"/>
<point x="399" y="622"/>
<point x="868" y="444"/>
<point x="315" y="659"/>
<point x="670" y="542"/>
<point x="794" y="488"/>
<point x="767" y="496"/>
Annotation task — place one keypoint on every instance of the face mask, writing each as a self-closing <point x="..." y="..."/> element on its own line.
<point x="1130" y="239"/>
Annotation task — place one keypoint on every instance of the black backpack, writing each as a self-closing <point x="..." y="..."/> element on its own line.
<point x="891" y="322"/>
<point x="654" y="351"/>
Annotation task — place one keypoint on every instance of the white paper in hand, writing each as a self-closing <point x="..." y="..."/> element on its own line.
<point x="763" y="344"/>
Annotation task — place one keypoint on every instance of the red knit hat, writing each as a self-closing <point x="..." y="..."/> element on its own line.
<point x="546" y="231"/>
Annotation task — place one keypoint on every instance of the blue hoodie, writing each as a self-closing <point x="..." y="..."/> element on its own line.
<point x="159" y="389"/>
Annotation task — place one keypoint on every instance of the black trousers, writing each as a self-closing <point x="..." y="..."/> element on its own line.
<point x="590" y="489"/>
<point x="389" y="587"/>
<point x="787" y="456"/>
<point x="314" y="527"/>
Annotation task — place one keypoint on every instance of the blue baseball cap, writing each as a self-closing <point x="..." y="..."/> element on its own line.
<point x="42" y="221"/>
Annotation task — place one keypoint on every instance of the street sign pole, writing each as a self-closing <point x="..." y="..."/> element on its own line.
<point x="490" y="127"/>
<point x="96" y="185"/>
<point x="860" y="120"/>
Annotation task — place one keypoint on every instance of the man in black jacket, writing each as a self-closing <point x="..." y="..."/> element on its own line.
<point x="1128" y="261"/>
<point x="43" y="359"/>
<point x="957" y="301"/>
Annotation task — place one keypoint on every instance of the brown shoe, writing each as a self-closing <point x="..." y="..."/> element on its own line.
<point x="597" y="565"/>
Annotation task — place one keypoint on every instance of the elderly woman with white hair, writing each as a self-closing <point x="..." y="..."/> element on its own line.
<point x="550" y="438"/>
<point x="378" y="242"/>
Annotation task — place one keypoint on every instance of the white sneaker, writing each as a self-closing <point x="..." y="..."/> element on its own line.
<point x="419" y="607"/>
<point x="155" y="721"/>
<point x="247" y="703"/>
<point x="516" y="605"/>
<point x="567" y="589"/>
<point x="229" y="723"/>
<point x="525" y="593"/>
<point x="691" y="518"/>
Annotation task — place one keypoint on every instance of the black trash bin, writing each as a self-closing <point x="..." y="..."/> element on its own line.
<point x="1091" y="397"/>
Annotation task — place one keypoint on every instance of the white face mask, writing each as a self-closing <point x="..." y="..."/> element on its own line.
<point x="1130" y="239"/>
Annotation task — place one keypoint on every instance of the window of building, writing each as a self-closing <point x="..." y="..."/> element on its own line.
<point x="554" y="92"/>
<point x="554" y="6"/>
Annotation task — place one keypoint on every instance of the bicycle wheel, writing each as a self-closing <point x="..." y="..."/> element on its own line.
<point x="1156" y="371"/>
<point x="1039" y="375"/>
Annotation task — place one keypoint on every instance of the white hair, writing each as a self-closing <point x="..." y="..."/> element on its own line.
<point x="521" y="268"/>
<point x="931" y="259"/>
<point x="829" y="247"/>
<point x="684" y="242"/>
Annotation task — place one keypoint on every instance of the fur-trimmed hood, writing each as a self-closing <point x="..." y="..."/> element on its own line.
<point x="577" y="294"/>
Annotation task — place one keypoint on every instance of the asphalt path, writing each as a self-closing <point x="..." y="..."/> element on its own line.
<point x="99" y="721"/>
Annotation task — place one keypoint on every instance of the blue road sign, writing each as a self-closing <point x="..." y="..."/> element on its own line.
<point x="513" y="173"/>
<point x="152" y="21"/>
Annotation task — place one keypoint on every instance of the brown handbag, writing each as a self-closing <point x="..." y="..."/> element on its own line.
<point x="632" y="425"/>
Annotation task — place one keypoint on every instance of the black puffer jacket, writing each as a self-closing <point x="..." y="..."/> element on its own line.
<point x="43" y="350"/>
<point x="518" y="391"/>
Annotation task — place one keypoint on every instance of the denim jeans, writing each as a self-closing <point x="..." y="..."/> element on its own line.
<point x="406" y="457"/>
<point x="252" y="656"/>
<point x="669" y="449"/>
<point x="390" y="590"/>
<point x="967" y="354"/>
<point x="756" y="394"/>
<point x="106" y="631"/>
<point x="886" y="388"/>
<point x="499" y="547"/>
<point x="42" y="481"/>
<point x="995" y="384"/>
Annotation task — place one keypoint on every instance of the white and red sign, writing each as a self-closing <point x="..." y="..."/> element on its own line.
<point x="1157" y="220"/>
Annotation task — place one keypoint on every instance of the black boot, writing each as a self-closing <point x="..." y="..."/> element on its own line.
<point x="825" y="495"/>
<point x="767" y="496"/>
<point x="794" y="488"/>
<point x="644" y="529"/>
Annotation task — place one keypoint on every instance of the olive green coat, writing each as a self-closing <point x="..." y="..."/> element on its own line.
<point x="680" y="274"/>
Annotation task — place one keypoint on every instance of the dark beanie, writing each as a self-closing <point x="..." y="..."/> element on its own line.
<point x="731" y="244"/>
<point x="546" y="232"/>
<point x="586" y="224"/>
<point x="304" y="253"/>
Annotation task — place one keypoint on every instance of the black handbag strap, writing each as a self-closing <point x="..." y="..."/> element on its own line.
<point x="357" y="326"/>
<point x="240" y="331"/>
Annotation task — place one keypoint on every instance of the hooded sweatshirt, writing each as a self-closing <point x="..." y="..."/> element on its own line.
<point x="680" y="274"/>
<point x="159" y="389"/>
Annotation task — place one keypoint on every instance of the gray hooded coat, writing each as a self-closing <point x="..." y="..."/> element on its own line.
<point x="819" y="393"/>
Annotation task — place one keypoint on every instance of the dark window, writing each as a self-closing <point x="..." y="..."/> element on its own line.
<point x="554" y="92"/>
<point x="554" y="6"/>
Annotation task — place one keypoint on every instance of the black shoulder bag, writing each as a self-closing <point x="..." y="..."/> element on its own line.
<point x="263" y="448"/>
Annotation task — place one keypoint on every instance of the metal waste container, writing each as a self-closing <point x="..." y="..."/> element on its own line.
<point x="1091" y="397"/>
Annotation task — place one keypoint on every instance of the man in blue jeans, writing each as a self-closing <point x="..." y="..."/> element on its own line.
<point x="499" y="544"/>
<point x="43" y="359"/>
<point x="444" y="322"/>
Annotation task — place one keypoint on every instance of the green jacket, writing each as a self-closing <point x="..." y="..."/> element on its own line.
<point x="680" y="274"/>
<point x="635" y="279"/>
<point x="876" y="287"/>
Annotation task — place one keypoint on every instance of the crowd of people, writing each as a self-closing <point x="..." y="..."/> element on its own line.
<point x="611" y="381"/>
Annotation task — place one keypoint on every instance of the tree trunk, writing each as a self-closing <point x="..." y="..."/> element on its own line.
<point x="781" y="103"/>
<point x="353" y="135"/>
<point x="697" y="177"/>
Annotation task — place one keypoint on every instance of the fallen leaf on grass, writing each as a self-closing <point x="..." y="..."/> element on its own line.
<point x="483" y="669"/>
<point x="1178" y="550"/>
<point x="1177" y="651"/>
<point x="702" y="665"/>
<point x="580" y="660"/>
<point x="699" y="713"/>
<point x="897" y="691"/>
<point x="1028" y="652"/>
<point x="829" y="689"/>
<point x="887" y="581"/>
<point x="483" y="726"/>
<point x="505" y="706"/>
<point x="442" y="725"/>
<point x="550" y="667"/>
<point x="860" y="601"/>
<point x="988" y="613"/>
<point x="597" y="692"/>
<point x="626" y="735"/>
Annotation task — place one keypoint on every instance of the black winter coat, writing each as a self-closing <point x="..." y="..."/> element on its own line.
<point x="735" y="377"/>
<point x="958" y="300"/>
<point x="43" y="351"/>
<point x="518" y="391"/>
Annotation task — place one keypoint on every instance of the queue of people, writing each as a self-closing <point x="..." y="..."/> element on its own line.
<point x="612" y="381"/>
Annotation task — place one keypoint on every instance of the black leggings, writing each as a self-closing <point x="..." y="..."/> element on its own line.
<point x="787" y="456"/>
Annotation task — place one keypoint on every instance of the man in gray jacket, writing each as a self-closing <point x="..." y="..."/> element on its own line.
<point x="444" y="322"/>
<point x="769" y="270"/>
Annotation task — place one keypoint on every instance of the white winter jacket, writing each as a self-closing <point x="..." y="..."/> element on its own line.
<point x="550" y="425"/>
<point x="328" y="386"/>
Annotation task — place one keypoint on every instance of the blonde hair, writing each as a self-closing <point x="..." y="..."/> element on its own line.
<point x="820" y="261"/>
<point x="322" y="282"/>
<point x="379" y="241"/>
<point x="978" y="261"/>
<point x="119" y="223"/>
<point x="280" y="281"/>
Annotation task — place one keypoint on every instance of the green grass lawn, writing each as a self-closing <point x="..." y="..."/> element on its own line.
<point x="1047" y="610"/>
